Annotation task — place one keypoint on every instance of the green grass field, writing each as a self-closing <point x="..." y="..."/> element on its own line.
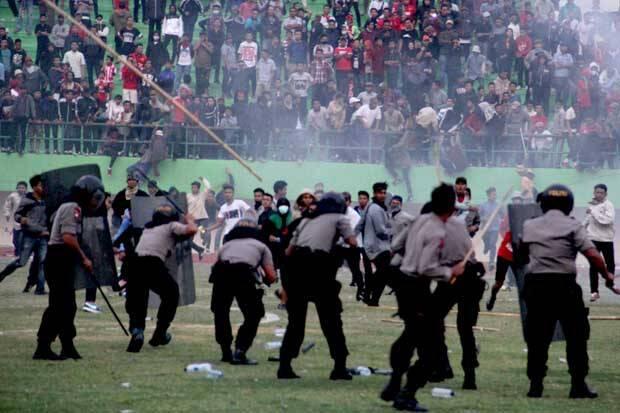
<point x="158" y="383"/>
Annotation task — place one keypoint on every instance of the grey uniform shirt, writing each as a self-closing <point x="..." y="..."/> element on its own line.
<point x="67" y="220"/>
<point x="432" y="247"/>
<point x="554" y="240"/>
<point x="246" y="251"/>
<point x="321" y="233"/>
<point x="160" y="241"/>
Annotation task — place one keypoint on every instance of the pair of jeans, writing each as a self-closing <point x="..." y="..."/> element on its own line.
<point x="30" y="245"/>
<point x="17" y="241"/>
<point x="180" y="73"/>
<point x="24" y="17"/>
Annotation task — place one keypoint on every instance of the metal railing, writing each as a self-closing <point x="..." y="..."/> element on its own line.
<point x="350" y="144"/>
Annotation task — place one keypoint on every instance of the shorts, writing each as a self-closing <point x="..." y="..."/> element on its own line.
<point x="130" y="95"/>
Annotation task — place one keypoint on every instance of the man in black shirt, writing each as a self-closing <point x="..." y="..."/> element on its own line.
<point x="42" y="30"/>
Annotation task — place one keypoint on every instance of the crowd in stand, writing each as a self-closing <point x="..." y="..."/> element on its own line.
<point x="508" y="81"/>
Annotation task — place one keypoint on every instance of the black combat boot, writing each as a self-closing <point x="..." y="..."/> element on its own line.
<point x="285" y="371"/>
<point x="340" y="371"/>
<point x="44" y="352"/>
<point x="68" y="350"/>
<point x="405" y="400"/>
<point x="579" y="389"/>
<point x="227" y="355"/>
<point x="160" y="337"/>
<point x="240" y="359"/>
<point x="391" y="390"/>
<point x="536" y="388"/>
<point x="469" y="383"/>
<point x="137" y="341"/>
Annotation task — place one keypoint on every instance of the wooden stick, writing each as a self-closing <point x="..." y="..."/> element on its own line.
<point x="484" y="229"/>
<point x="477" y="328"/>
<point x="169" y="99"/>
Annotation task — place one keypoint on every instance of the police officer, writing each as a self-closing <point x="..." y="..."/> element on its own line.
<point x="63" y="256"/>
<point x="434" y="248"/>
<point x="551" y="243"/>
<point x="148" y="271"/>
<point x="466" y="294"/>
<point x="312" y="278"/>
<point x="235" y="276"/>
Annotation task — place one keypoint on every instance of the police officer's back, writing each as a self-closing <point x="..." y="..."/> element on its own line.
<point x="235" y="276"/>
<point x="312" y="278"/>
<point x="551" y="242"/>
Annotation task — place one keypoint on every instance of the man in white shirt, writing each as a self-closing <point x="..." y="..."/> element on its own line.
<point x="368" y="93"/>
<point x="370" y="114"/>
<point x="266" y="71"/>
<point x="114" y="109"/>
<point x="231" y="212"/>
<point x="196" y="206"/>
<point x="76" y="61"/>
<point x="248" y="54"/>
<point x="352" y="255"/>
<point x="599" y="223"/>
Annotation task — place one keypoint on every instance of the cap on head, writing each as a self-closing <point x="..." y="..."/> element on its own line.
<point x="557" y="196"/>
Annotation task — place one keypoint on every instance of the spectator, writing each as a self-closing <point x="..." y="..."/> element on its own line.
<point x="76" y="61"/>
<point x="190" y="9"/>
<point x="172" y="30"/>
<point x="185" y="56"/>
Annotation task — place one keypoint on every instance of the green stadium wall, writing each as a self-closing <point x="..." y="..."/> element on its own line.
<point x="338" y="176"/>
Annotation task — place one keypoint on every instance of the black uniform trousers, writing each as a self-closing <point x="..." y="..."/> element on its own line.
<point x="236" y="281"/>
<point x="312" y="278"/>
<point x="380" y="278"/>
<point x="607" y="250"/>
<point x="57" y="320"/>
<point x="413" y="298"/>
<point x="551" y="298"/>
<point x="466" y="294"/>
<point x="352" y="256"/>
<point x="150" y="273"/>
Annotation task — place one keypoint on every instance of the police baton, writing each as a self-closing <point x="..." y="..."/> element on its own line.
<point x="105" y="298"/>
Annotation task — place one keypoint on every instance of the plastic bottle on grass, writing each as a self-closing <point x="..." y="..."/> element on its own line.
<point x="273" y="345"/>
<point x="198" y="367"/>
<point x="363" y="371"/>
<point x="212" y="373"/>
<point x="442" y="392"/>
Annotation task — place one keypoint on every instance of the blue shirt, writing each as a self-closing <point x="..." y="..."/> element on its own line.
<point x="486" y="209"/>
<point x="298" y="52"/>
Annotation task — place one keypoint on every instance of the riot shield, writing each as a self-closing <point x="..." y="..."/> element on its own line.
<point x="95" y="239"/>
<point x="517" y="215"/>
<point x="96" y="243"/>
<point x="180" y="264"/>
<point x="58" y="182"/>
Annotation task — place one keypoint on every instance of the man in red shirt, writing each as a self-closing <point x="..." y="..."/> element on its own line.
<point x="378" y="61"/>
<point x="539" y="116"/>
<point x="139" y="57"/>
<point x="178" y="135"/>
<point x="343" y="56"/>
<point x="130" y="83"/>
<point x="523" y="45"/>
<point x="246" y="8"/>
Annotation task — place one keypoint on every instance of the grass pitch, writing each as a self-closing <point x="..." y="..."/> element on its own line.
<point x="157" y="382"/>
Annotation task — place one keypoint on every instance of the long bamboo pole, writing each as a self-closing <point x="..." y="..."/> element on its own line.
<point x="484" y="229"/>
<point x="155" y="86"/>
